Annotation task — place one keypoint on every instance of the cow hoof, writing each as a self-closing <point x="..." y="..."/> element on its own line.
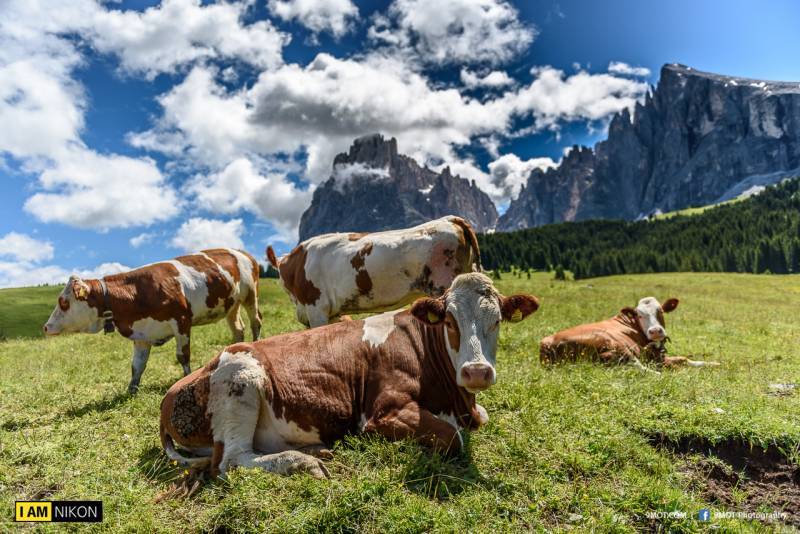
<point x="319" y="471"/>
<point x="304" y="463"/>
<point x="319" y="451"/>
<point x="133" y="389"/>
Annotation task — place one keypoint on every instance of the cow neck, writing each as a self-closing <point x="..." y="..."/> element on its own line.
<point x="636" y="332"/>
<point x="439" y="377"/>
<point x="102" y="296"/>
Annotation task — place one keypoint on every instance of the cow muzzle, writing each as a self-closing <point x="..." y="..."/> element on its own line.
<point x="656" y="333"/>
<point x="49" y="330"/>
<point x="477" y="376"/>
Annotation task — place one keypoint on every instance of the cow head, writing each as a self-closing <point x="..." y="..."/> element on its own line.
<point x="649" y="315"/>
<point x="72" y="312"/>
<point x="471" y="312"/>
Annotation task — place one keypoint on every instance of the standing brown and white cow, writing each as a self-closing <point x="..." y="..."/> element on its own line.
<point x="331" y="274"/>
<point x="407" y="373"/>
<point x="152" y="304"/>
<point x="625" y="338"/>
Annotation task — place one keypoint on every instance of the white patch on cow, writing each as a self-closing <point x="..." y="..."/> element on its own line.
<point x="194" y="286"/>
<point x="151" y="330"/>
<point x="225" y="274"/>
<point x="245" y="270"/>
<point x="362" y="423"/>
<point x="647" y="315"/>
<point x="378" y="327"/>
<point x="275" y="434"/>
<point x="474" y="303"/>
<point x="483" y="415"/>
<point x="452" y="421"/>
<point x="236" y="393"/>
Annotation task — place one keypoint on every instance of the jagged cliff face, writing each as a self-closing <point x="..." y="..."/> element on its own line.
<point x="374" y="188"/>
<point x="699" y="138"/>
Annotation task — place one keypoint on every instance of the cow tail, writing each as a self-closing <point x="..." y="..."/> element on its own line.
<point x="273" y="260"/>
<point x="169" y="447"/>
<point x="469" y="233"/>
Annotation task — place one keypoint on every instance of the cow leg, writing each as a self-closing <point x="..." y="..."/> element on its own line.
<point x="235" y="323"/>
<point x="183" y="350"/>
<point x="318" y="451"/>
<point x="316" y="316"/>
<point x="676" y="361"/>
<point x="141" y="353"/>
<point x="253" y="313"/>
<point x="420" y="424"/>
<point x="634" y="361"/>
<point x="235" y="403"/>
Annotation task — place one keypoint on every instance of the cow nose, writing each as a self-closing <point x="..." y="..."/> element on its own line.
<point x="656" y="333"/>
<point x="44" y="329"/>
<point x="477" y="376"/>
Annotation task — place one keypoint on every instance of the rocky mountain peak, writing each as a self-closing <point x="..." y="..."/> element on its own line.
<point x="373" y="187"/>
<point x="697" y="138"/>
<point x="372" y="150"/>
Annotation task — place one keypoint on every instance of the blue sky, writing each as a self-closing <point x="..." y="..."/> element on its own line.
<point x="135" y="131"/>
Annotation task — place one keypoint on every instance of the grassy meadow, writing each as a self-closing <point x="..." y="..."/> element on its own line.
<point x="578" y="447"/>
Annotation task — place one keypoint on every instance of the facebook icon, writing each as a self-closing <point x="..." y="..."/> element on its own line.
<point x="704" y="514"/>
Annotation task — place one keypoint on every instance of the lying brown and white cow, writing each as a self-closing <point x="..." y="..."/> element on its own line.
<point x="331" y="274"/>
<point x="152" y="304"/>
<point x="407" y="373"/>
<point x="634" y="334"/>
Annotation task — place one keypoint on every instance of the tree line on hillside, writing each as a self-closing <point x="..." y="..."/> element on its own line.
<point x="758" y="235"/>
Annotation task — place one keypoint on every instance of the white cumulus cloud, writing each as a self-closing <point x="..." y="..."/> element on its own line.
<point x="141" y="239"/>
<point x="178" y="32"/>
<point x="90" y="190"/>
<point x="198" y="233"/>
<point x="333" y="16"/>
<point x="42" y="111"/>
<point x="618" y="67"/>
<point x="21" y="258"/>
<point x="453" y="31"/>
<point x="509" y="173"/>
<point x="24" y="248"/>
<point x="495" y="78"/>
<point x="241" y="187"/>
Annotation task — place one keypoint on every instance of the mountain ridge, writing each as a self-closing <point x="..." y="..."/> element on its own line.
<point x="373" y="187"/>
<point x="696" y="137"/>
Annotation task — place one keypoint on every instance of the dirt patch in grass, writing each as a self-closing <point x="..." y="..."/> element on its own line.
<point x="740" y="476"/>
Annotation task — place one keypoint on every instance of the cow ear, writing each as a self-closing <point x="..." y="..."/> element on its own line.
<point x="429" y="311"/>
<point x="670" y="305"/>
<point x="80" y="289"/>
<point x="628" y="312"/>
<point x="517" y="307"/>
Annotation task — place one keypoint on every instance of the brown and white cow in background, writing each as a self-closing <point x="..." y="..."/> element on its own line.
<point x="407" y="373"/>
<point x="331" y="274"/>
<point x="152" y="304"/>
<point x="634" y="334"/>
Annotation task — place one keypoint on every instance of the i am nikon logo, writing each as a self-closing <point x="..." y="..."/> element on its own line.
<point x="59" y="511"/>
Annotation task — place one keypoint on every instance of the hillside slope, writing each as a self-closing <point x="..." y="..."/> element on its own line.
<point x="758" y="234"/>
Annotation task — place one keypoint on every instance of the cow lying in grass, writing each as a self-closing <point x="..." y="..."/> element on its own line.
<point x="633" y="335"/>
<point x="332" y="274"/>
<point x="152" y="304"/>
<point x="276" y="403"/>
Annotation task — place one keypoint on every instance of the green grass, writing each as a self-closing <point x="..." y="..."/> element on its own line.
<point x="24" y="310"/>
<point x="566" y="447"/>
<point x="696" y="210"/>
